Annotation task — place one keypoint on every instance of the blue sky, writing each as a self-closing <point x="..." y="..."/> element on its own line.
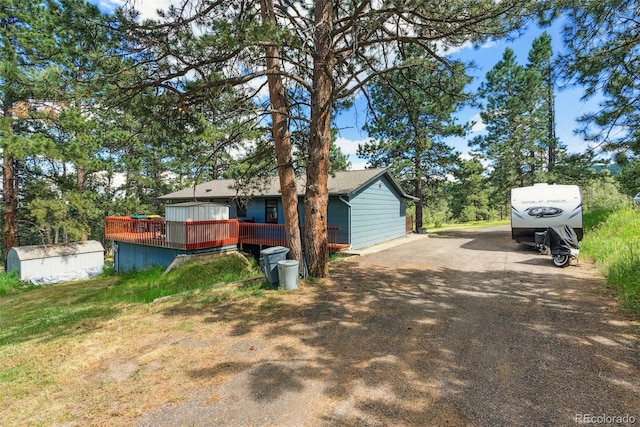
<point x="568" y="103"/>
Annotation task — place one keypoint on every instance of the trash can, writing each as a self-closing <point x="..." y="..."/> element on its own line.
<point x="269" y="262"/>
<point x="288" y="274"/>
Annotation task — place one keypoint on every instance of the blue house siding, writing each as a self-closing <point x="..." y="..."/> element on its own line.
<point x="377" y="215"/>
<point x="338" y="215"/>
<point x="233" y="212"/>
<point x="129" y="256"/>
<point x="256" y="209"/>
<point x="368" y="210"/>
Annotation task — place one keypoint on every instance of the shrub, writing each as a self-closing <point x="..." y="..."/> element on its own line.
<point x="603" y="194"/>
<point x="612" y="238"/>
<point x="9" y="282"/>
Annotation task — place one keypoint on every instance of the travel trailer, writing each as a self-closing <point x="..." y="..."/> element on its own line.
<point x="535" y="208"/>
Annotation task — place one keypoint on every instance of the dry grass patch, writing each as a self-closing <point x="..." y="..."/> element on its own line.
<point x="85" y="353"/>
<point x="145" y="356"/>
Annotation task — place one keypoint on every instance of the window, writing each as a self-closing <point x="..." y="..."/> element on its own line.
<point x="241" y="208"/>
<point x="271" y="211"/>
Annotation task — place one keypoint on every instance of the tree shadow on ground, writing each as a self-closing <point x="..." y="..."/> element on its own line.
<point x="405" y="346"/>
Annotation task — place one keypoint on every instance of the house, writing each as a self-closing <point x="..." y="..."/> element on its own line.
<point x="365" y="206"/>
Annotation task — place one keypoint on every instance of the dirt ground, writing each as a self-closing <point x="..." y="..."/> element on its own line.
<point x="465" y="328"/>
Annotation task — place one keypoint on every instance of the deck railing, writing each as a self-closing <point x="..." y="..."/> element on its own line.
<point x="274" y="234"/>
<point x="200" y="234"/>
<point x="150" y="232"/>
<point x="179" y="235"/>
<point x="208" y="234"/>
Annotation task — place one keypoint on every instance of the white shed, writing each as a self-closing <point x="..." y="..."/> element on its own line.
<point x="48" y="262"/>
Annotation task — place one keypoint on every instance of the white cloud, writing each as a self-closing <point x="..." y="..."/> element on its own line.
<point x="147" y="8"/>
<point x="479" y="125"/>
<point x="450" y="50"/>
<point x="349" y="147"/>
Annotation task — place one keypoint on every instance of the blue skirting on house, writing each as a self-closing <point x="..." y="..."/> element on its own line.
<point x="133" y="257"/>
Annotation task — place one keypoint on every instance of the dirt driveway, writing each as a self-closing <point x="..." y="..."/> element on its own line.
<point x="467" y="328"/>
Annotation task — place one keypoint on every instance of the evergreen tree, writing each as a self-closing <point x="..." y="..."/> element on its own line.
<point x="22" y="36"/>
<point x="327" y="51"/>
<point x="338" y="161"/>
<point x="602" y="39"/>
<point x="629" y="178"/>
<point x="471" y="192"/>
<point x="412" y="113"/>
<point x="576" y="169"/>
<point x="540" y="62"/>
<point x="515" y="126"/>
<point x="73" y="90"/>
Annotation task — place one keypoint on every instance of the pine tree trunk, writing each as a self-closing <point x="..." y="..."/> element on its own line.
<point x="10" y="204"/>
<point x="9" y="189"/>
<point x="418" y="194"/>
<point x="81" y="181"/>
<point x="552" y="125"/>
<point x="282" y="139"/>
<point x="316" y="196"/>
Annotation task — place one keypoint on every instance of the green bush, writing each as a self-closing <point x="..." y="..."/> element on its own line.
<point x="612" y="238"/>
<point x="603" y="194"/>
<point x="9" y="282"/>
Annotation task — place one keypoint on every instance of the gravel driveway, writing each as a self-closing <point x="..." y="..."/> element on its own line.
<point x="464" y="328"/>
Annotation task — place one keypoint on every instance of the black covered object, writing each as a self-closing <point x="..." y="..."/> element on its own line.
<point x="561" y="239"/>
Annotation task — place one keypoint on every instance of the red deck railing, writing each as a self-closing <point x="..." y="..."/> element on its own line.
<point x="201" y="234"/>
<point x="149" y="232"/>
<point x="273" y="235"/>
<point x="210" y="234"/>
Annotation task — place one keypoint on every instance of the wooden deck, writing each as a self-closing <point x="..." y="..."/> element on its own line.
<point x="192" y="235"/>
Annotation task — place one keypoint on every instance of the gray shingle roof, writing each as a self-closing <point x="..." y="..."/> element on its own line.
<point x="343" y="183"/>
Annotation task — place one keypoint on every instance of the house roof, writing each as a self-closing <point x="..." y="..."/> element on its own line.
<point x="342" y="183"/>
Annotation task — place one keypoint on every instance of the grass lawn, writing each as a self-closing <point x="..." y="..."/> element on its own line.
<point x="28" y="312"/>
<point x="612" y="239"/>
<point x="46" y="329"/>
<point x="467" y="225"/>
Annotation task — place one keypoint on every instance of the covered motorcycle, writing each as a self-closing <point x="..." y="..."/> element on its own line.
<point x="562" y="242"/>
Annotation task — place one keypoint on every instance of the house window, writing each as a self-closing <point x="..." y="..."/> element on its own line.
<point x="271" y="211"/>
<point x="241" y="208"/>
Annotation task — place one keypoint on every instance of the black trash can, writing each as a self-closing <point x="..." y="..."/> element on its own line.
<point x="269" y="262"/>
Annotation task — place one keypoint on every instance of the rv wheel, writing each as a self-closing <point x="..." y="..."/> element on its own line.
<point x="562" y="260"/>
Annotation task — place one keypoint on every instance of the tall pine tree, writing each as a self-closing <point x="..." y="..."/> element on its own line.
<point x="515" y="117"/>
<point x="23" y="36"/>
<point x="328" y="50"/>
<point x="602" y="41"/>
<point x="412" y="113"/>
